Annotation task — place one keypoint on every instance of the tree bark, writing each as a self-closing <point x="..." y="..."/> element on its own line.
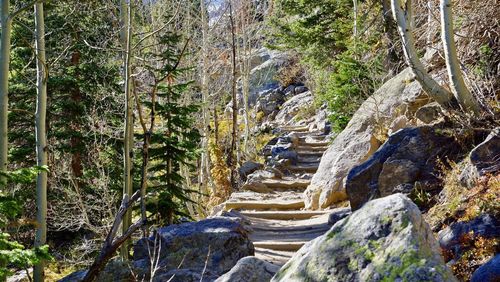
<point x="41" y="137"/>
<point x="111" y="244"/>
<point x="125" y="34"/>
<point x="234" y="135"/>
<point x="4" y="84"/>
<point x="429" y="85"/>
<point x="458" y="87"/>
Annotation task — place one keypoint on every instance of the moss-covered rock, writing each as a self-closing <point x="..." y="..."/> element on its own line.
<point x="386" y="240"/>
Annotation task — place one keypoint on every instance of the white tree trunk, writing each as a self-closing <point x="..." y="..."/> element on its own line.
<point x="430" y="86"/>
<point x="458" y="87"/>
<point x="41" y="137"/>
<point x="4" y="83"/>
<point x="125" y="33"/>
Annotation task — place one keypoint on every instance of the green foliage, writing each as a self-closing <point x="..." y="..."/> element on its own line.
<point x="343" y="71"/>
<point x="316" y="29"/>
<point x="175" y="144"/>
<point x="13" y="255"/>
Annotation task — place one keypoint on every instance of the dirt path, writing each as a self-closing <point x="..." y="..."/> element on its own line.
<point x="279" y="223"/>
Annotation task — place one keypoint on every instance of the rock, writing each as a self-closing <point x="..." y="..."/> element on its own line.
<point x="300" y="89"/>
<point x="386" y="240"/>
<point x="269" y="101"/>
<point x="115" y="270"/>
<point x="338" y="214"/>
<point x="488" y="272"/>
<point x="262" y="77"/>
<point x="223" y="239"/>
<point x="250" y="269"/>
<point x="357" y="142"/>
<point x="429" y="113"/>
<point x="249" y="167"/>
<point x="486" y="156"/>
<point x="407" y="157"/>
<point x="485" y="226"/>
<point x="291" y="107"/>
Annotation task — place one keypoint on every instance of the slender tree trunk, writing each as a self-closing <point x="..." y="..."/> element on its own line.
<point x="205" y="163"/>
<point x="41" y="137"/>
<point x="234" y="135"/>
<point x="4" y="84"/>
<point x="126" y="29"/>
<point x="458" y="87"/>
<point x="430" y="86"/>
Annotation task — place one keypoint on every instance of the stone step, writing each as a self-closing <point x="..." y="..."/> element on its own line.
<point x="278" y="258"/>
<point x="302" y="154"/>
<point x="309" y="160"/>
<point x="283" y="215"/>
<point x="295" y="128"/>
<point x="311" y="148"/>
<point x="267" y="205"/>
<point x="288" y="236"/>
<point x="279" y="245"/>
<point x="315" y="144"/>
<point x="286" y="184"/>
<point x="303" y="168"/>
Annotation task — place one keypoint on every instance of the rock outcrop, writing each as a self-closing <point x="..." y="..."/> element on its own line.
<point x="488" y="272"/>
<point x="250" y="269"/>
<point x="386" y="240"/>
<point x="292" y="106"/>
<point x="408" y="158"/>
<point x="209" y="247"/>
<point x="398" y="97"/>
<point x="485" y="157"/>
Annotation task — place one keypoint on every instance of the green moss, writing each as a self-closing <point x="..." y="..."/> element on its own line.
<point x="353" y="265"/>
<point x="386" y="219"/>
<point x="407" y="260"/>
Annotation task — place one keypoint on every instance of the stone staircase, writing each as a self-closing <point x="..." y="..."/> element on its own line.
<point x="279" y="223"/>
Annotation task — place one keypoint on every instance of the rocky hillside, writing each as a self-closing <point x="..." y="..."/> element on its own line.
<point x="403" y="193"/>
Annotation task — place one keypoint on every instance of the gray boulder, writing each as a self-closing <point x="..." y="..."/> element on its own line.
<point x="484" y="225"/>
<point x="291" y="107"/>
<point x="488" y="272"/>
<point x="429" y="113"/>
<point x="408" y="157"/>
<point x="250" y="269"/>
<point x="263" y="76"/>
<point x="485" y="157"/>
<point x="270" y="101"/>
<point x="247" y="168"/>
<point x="115" y="270"/>
<point x="401" y="95"/>
<point x="210" y="247"/>
<point x="386" y="240"/>
<point x="338" y="214"/>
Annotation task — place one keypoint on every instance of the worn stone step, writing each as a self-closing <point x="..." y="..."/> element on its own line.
<point x="286" y="184"/>
<point x="280" y="246"/>
<point x="289" y="236"/>
<point x="283" y="215"/>
<point x="252" y="205"/>
<point x="303" y="154"/>
<point x="314" y="144"/>
<point x="278" y="258"/>
<point x="311" y="148"/>
<point x="303" y="168"/>
<point x="309" y="160"/>
<point x="295" y="128"/>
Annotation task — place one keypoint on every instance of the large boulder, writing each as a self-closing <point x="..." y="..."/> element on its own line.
<point x="401" y="95"/>
<point x="488" y="272"/>
<point x="292" y="106"/>
<point x="209" y="247"/>
<point x="270" y="101"/>
<point x="451" y="237"/>
<point x="408" y="158"/>
<point x="263" y="76"/>
<point x="250" y="269"/>
<point x="485" y="157"/>
<point x="386" y="240"/>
